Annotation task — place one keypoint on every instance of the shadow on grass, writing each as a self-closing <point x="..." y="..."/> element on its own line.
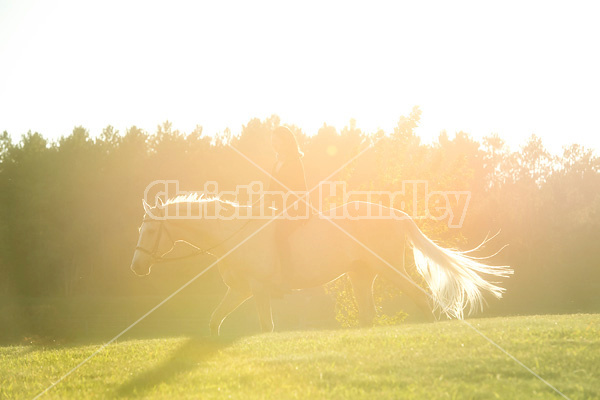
<point x="190" y="355"/>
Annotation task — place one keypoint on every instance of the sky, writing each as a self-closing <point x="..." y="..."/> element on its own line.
<point x="511" y="68"/>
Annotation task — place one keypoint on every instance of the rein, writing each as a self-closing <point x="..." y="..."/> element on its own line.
<point x="162" y="227"/>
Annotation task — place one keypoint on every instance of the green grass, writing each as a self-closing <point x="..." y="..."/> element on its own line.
<point x="445" y="360"/>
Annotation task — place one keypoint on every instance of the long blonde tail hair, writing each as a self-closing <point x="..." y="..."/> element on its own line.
<point x="452" y="276"/>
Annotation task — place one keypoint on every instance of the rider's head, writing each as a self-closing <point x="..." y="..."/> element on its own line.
<point x="284" y="142"/>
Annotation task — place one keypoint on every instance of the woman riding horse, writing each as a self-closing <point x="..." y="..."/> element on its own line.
<point x="288" y="182"/>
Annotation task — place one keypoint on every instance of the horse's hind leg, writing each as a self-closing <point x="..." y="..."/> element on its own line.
<point x="263" y="305"/>
<point x="362" y="283"/>
<point x="417" y="294"/>
<point x="232" y="300"/>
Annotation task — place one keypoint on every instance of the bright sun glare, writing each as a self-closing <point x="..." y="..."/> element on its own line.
<point x="512" y="68"/>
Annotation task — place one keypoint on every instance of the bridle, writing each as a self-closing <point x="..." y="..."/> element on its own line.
<point x="163" y="228"/>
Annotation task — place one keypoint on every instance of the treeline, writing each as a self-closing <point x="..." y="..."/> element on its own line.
<point x="70" y="208"/>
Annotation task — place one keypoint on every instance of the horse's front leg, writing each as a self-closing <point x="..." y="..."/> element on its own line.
<point x="262" y="296"/>
<point x="232" y="300"/>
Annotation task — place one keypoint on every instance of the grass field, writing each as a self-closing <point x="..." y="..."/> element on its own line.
<point x="445" y="360"/>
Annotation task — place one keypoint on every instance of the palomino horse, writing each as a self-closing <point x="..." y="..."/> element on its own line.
<point x="319" y="253"/>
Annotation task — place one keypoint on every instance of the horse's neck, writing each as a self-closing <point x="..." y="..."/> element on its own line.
<point x="202" y="231"/>
<point x="199" y="224"/>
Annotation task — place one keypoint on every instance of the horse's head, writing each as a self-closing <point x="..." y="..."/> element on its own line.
<point x="154" y="240"/>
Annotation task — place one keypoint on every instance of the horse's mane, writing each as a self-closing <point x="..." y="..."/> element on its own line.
<point x="198" y="198"/>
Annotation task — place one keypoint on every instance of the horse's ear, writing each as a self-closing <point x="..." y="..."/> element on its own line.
<point x="146" y="206"/>
<point x="159" y="203"/>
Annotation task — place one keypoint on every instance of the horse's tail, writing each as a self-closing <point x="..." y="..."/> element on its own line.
<point x="452" y="276"/>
